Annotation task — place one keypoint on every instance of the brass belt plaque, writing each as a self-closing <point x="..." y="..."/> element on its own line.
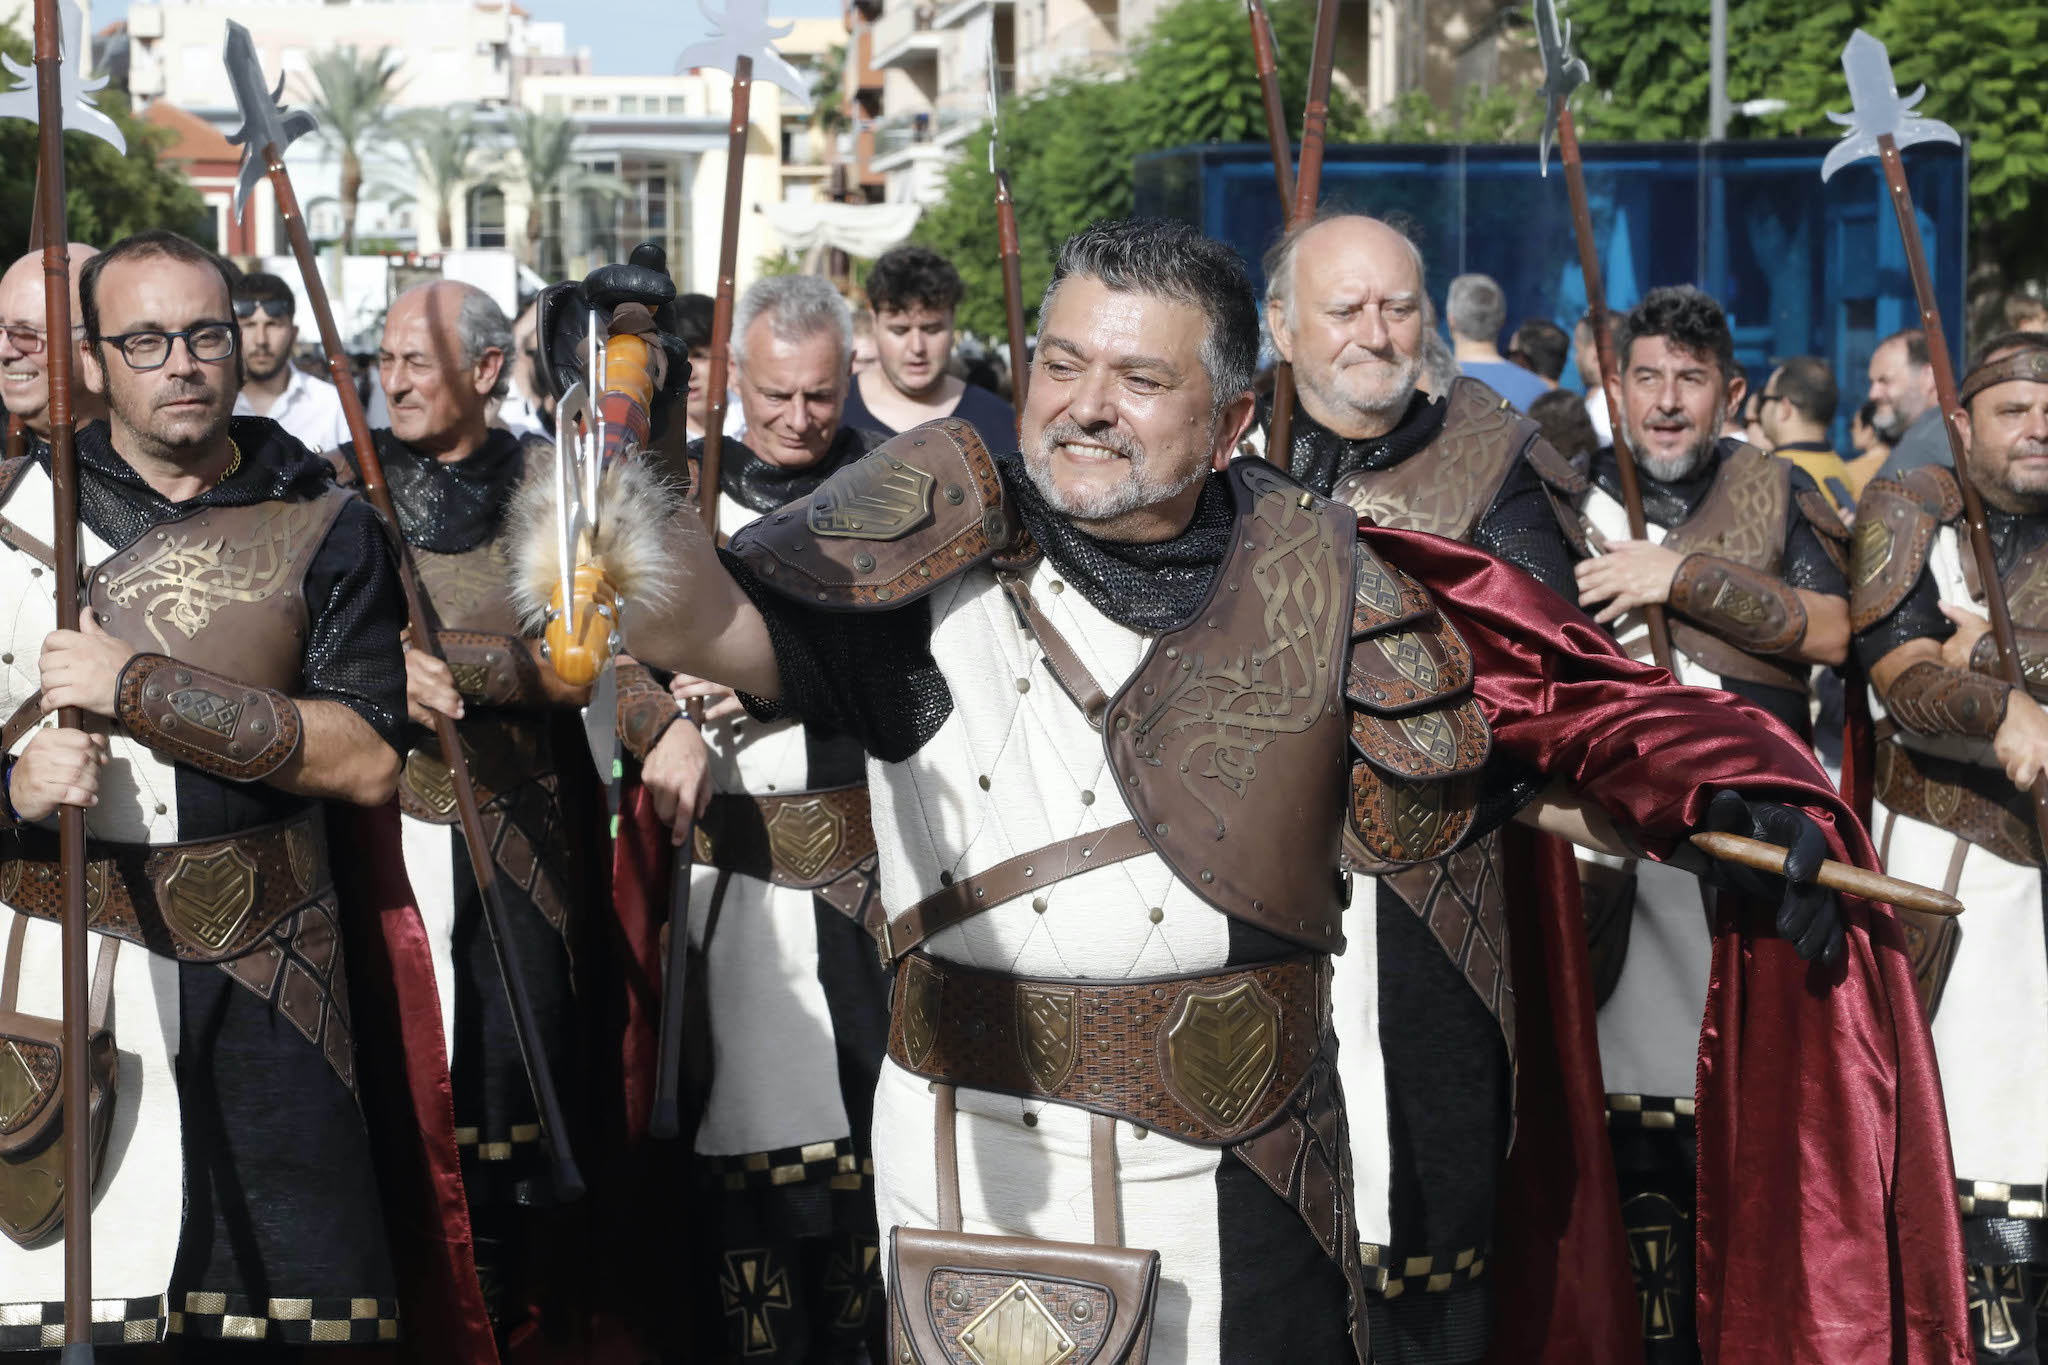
<point x="208" y="895"/>
<point x="1221" y="1049"/>
<point x="803" y="836"/>
<point x="921" y="985"/>
<point x="430" y="781"/>
<point x="1045" y="1031"/>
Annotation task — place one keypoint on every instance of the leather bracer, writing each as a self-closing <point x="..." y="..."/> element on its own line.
<point x="646" y="708"/>
<point x="492" y="669"/>
<point x="217" y="725"/>
<point x="2033" y="645"/>
<point x="1743" y="606"/>
<point x="1929" y="699"/>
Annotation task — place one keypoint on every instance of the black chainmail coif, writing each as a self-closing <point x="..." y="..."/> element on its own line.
<point x="453" y="507"/>
<point x="1319" y="457"/>
<point x="1148" y="588"/>
<point x="759" y="486"/>
<point x="352" y="595"/>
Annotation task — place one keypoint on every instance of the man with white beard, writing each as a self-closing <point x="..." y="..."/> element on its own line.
<point x="1122" y="698"/>
<point x="1953" y="810"/>
<point x="1747" y="557"/>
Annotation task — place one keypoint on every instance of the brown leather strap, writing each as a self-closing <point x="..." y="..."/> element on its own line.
<point x="1041" y="867"/>
<point x="22" y="721"/>
<point x="1109" y="1230"/>
<point x="1067" y="669"/>
<point x="10" y="978"/>
<point x="102" y="981"/>
<point x="14" y="536"/>
<point x="946" y="1152"/>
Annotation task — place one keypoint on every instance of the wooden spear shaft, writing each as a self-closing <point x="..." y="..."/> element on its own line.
<point x="1951" y="411"/>
<point x="1308" y="184"/>
<point x="77" y="1082"/>
<point x="721" y="309"/>
<point x="1610" y="383"/>
<point x="525" y="1025"/>
<point x="1264" y="51"/>
<point x="1013" y="294"/>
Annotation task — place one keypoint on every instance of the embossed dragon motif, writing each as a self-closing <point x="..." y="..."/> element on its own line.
<point x="189" y="575"/>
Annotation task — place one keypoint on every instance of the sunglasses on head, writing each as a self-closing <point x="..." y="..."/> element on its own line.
<point x="273" y="308"/>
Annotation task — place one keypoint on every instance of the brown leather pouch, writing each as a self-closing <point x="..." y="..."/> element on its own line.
<point x="32" y="1097"/>
<point x="965" y="1298"/>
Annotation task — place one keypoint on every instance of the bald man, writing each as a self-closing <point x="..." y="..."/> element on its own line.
<point x="444" y="357"/>
<point x="24" y="347"/>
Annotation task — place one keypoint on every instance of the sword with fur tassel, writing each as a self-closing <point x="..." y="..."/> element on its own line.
<point x="54" y="101"/>
<point x="267" y="129"/>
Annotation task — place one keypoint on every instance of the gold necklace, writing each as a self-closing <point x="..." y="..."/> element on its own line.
<point x="234" y="463"/>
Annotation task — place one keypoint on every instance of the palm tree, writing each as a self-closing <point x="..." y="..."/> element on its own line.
<point x="443" y="144"/>
<point x="828" y="93"/>
<point x="351" y="97"/>
<point x="545" y="146"/>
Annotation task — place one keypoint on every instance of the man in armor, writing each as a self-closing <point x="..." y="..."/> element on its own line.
<point x="797" y="1006"/>
<point x="1956" y="755"/>
<point x="237" y="655"/>
<point x="1346" y="303"/>
<point x="1105" y="688"/>
<point x="445" y="355"/>
<point x="1746" y="556"/>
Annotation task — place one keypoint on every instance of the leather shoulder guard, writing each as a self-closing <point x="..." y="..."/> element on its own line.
<point x="887" y="529"/>
<point x="1559" y="475"/>
<point x="10" y="476"/>
<point x="1419" y="737"/>
<point x="1895" y="526"/>
<point x="1447" y="487"/>
<point x="1827" y="524"/>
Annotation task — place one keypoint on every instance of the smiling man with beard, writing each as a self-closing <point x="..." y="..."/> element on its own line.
<point x="1123" y="699"/>
<point x="1747" y="556"/>
<point x="1953" y="809"/>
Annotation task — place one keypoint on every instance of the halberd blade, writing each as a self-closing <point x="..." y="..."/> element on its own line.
<point x="80" y="114"/>
<point x="574" y="429"/>
<point x="1562" y="73"/>
<point x="265" y="120"/>
<point x="742" y="29"/>
<point x="1876" y="108"/>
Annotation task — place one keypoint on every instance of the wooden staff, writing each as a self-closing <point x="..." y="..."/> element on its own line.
<point x="1610" y="383"/>
<point x="1952" y="411"/>
<point x="721" y="310"/>
<point x="77" y="1083"/>
<point x="525" y="1025"/>
<point x="1264" y="51"/>
<point x="1308" y="184"/>
<point x="1013" y="295"/>
<point x="1764" y="856"/>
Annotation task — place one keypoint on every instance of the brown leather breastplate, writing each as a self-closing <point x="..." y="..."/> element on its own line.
<point x="1445" y="488"/>
<point x="2026" y="583"/>
<point x="222" y="589"/>
<point x="1743" y="518"/>
<point x="1230" y="736"/>
<point x="470" y="590"/>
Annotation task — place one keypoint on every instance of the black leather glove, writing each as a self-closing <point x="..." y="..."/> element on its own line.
<point x="562" y="325"/>
<point x="1809" y="917"/>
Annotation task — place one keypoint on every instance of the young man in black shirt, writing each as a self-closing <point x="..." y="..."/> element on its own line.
<point x="914" y="292"/>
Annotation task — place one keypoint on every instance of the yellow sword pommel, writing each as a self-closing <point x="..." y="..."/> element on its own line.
<point x="582" y="630"/>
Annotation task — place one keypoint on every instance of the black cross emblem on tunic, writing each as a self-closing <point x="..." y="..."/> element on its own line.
<point x="1651" y="1253"/>
<point x="751" y="1285"/>
<point x="850" y="1280"/>
<point x="1995" y="1292"/>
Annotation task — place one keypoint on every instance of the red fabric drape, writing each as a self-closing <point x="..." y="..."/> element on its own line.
<point x="408" y="1100"/>
<point x="1827" y="1228"/>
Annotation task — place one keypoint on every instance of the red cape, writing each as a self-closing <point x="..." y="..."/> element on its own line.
<point x="1827" y="1228"/>
<point x="408" y="1100"/>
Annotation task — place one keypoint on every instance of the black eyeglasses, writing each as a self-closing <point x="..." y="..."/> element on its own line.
<point x="273" y="308"/>
<point x="209" y="342"/>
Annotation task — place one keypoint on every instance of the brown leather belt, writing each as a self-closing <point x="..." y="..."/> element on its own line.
<point x="1209" y="1059"/>
<point x="206" y="900"/>
<point x="1976" y="804"/>
<point x="821" y="841"/>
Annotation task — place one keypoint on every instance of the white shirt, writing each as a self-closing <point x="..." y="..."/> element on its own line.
<point x="1603" y="425"/>
<point x="309" y="408"/>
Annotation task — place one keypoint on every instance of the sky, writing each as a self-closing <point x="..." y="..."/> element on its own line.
<point x="634" y="37"/>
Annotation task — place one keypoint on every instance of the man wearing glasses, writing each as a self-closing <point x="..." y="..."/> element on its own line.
<point x="24" y="349"/>
<point x="239" y="658"/>
<point x="272" y="386"/>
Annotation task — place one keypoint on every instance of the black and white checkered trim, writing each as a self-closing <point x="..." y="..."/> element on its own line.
<point x="1391" y="1277"/>
<point x="115" y="1322"/>
<point x="1996" y="1199"/>
<point x="299" y="1322"/>
<point x="834" y="1162"/>
<point x="1650" y="1111"/>
<point x="523" y="1137"/>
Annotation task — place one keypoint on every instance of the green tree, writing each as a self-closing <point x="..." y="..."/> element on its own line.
<point x="106" y="195"/>
<point x="351" y="95"/>
<point x="544" y="145"/>
<point x="828" y="93"/>
<point x="443" y="145"/>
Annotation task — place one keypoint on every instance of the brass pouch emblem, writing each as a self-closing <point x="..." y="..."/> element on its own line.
<point x="880" y="499"/>
<point x="1017" y="1329"/>
<point x="1045" y="1032"/>
<point x="428" y="779"/>
<point x="803" y="836"/>
<point x="1221" y="1050"/>
<point x="207" y="896"/>
<point x="21" y="1091"/>
<point x="921" y="985"/>
<point x="208" y="710"/>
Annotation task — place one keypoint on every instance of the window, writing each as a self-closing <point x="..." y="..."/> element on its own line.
<point x="551" y="104"/>
<point x="580" y="105"/>
<point x="629" y="104"/>
<point x="678" y="105"/>
<point x="654" y="199"/>
<point x="487" y="216"/>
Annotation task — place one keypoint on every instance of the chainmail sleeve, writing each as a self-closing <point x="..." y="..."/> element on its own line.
<point x="353" y="654"/>
<point x="1808" y="564"/>
<point x="1918" y="617"/>
<point x="1521" y="527"/>
<point x="869" y="675"/>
